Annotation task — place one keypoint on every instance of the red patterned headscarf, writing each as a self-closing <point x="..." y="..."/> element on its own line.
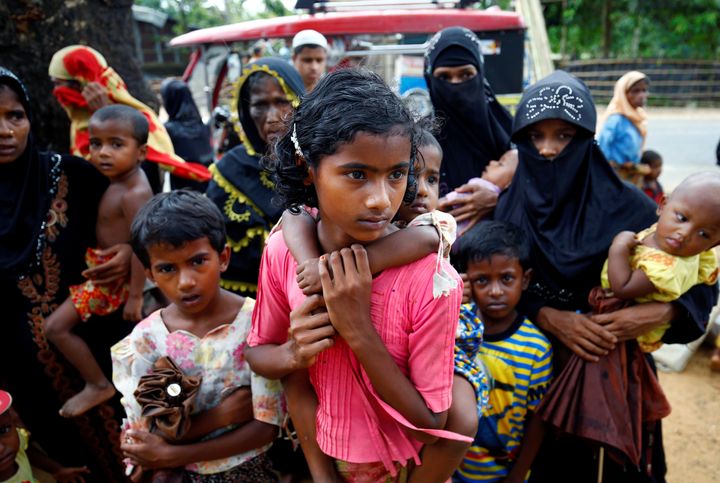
<point x="84" y="65"/>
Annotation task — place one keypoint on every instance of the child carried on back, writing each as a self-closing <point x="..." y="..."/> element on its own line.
<point x="378" y="350"/>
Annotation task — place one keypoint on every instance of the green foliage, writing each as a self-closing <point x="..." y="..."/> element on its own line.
<point x="673" y="29"/>
<point x="193" y="14"/>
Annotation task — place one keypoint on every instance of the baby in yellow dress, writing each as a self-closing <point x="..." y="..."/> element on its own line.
<point x="663" y="262"/>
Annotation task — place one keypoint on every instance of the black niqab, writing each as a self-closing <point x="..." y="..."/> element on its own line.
<point x="24" y="196"/>
<point x="475" y="127"/>
<point x="571" y="207"/>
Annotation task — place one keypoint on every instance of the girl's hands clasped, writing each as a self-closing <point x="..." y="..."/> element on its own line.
<point x="347" y="291"/>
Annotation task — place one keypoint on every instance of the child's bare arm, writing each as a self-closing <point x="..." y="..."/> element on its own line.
<point x="531" y="441"/>
<point x="625" y="282"/>
<point x="152" y="452"/>
<point x="235" y="409"/>
<point x="402" y="247"/>
<point x="131" y="203"/>
<point x="300" y="235"/>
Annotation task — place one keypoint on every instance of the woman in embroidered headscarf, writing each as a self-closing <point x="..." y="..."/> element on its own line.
<point x="475" y="128"/>
<point x="48" y="206"/>
<point x="568" y="200"/>
<point x="266" y="93"/>
<point x="625" y="129"/>
<point x="84" y="83"/>
<point x="189" y="135"/>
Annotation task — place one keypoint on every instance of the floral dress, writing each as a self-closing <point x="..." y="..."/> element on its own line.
<point x="217" y="358"/>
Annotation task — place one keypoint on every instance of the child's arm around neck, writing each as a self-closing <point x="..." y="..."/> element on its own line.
<point x="397" y="249"/>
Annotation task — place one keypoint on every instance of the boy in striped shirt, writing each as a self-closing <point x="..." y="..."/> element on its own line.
<point x="503" y="355"/>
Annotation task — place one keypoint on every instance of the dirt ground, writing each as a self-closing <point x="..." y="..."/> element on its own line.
<point x="692" y="431"/>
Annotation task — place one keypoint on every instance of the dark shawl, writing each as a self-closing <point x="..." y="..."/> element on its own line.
<point x="242" y="189"/>
<point x="46" y="231"/>
<point x="475" y="127"/>
<point x="190" y="137"/>
<point x="573" y="206"/>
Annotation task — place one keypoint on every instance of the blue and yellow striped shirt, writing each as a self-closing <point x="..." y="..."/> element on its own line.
<point x="518" y="363"/>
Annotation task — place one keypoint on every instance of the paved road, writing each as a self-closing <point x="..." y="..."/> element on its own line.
<point x="686" y="141"/>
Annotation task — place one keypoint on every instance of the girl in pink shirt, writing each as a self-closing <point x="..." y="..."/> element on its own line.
<point x="379" y="351"/>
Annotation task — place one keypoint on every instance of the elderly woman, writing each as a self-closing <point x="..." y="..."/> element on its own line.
<point x="568" y="200"/>
<point x="84" y="83"/>
<point x="48" y="206"/>
<point x="625" y="129"/>
<point x="267" y="91"/>
<point x="475" y="128"/>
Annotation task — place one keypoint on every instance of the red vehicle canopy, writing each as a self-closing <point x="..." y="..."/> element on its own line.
<point x="355" y="23"/>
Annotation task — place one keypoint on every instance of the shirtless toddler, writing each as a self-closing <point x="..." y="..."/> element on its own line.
<point x="118" y="138"/>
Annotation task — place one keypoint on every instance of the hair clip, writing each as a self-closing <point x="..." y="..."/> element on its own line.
<point x="298" y="152"/>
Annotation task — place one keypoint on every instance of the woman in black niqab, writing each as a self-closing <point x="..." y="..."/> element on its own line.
<point x="475" y="127"/>
<point x="189" y="135"/>
<point x="571" y="207"/>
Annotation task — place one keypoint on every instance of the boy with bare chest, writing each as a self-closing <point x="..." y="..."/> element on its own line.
<point x="118" y="137"/>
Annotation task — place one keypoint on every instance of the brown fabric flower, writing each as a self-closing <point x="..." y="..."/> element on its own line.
<point x="167" y="397"/>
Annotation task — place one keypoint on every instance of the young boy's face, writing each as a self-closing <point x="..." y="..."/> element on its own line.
<point x="551" y="136"/>
<point x="428" y="185"/>
<point x="188" y="275"/>
<point x="497" y="284"/>
<point x="113" y="149"/>
<point x="9" y="445"/>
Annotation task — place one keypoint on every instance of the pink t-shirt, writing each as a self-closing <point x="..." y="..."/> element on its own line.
<point x="353" y="424"/>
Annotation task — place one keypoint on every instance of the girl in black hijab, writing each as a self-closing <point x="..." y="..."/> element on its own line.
<point x="571" y="205"/>
<point x="48" y="207"/>
<point x="190" y="137"/>
<point x="475" y="128"/>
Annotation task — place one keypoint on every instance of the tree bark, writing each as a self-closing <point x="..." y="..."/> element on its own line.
<point x="31" y="31"/>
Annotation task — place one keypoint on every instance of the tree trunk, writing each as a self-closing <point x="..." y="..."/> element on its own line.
<point x="31" y="31"/>
<point x="606" y="28"/>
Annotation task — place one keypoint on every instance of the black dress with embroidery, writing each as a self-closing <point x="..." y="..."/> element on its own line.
<point x="243" y="192"/>
<point x="36" y="374"/>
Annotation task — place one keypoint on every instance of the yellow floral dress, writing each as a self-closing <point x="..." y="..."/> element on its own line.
<point x="217" y="357"/>
<point x="672" y="276"/>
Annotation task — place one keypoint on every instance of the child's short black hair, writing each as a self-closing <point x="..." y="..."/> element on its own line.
<point x="343" y="104"/>
<point x="426" y="138"/>
<point x="176" y="218"/>
<point x="651" y="158"/>
<point x="489" y="238"/>
<point x="130" y="115"/>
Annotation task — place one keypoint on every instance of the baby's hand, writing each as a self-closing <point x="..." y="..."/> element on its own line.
<point x="626" y="240"/>
<point x="308" y="277"/>
<point x="467" y="289"/>
<point x="133" y="309"/>
<point x="71" y="474"/>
